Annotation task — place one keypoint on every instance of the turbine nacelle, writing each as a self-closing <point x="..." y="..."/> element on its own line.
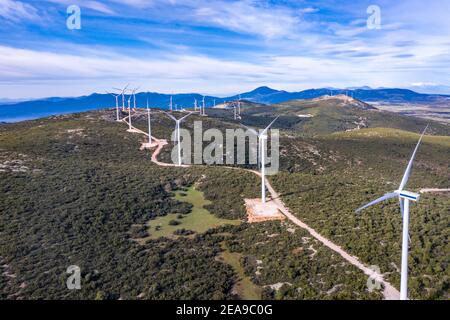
<point x="412" y="196"/>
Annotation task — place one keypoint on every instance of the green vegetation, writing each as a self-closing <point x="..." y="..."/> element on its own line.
<point x="76" y="190"/>
<point x="336" y="174"/>
<point x="244" y="288"/>
<point x="287" y="263"/>
<point x="198" y="220"/>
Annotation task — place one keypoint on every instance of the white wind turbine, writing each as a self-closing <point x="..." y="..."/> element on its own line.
<point x="129" y="113"/>
<point x="134" y="98"/>
<point x="117" y="104"/>
<point x="404" y="198"/>
<point x="123" y="95"/>
<point x="171" y="104"/>
<point x="239" y="105"/>
<point x="177" y="132"/>
<point x="149" y="125"/>
<point x="195" y="105"/>
<point x="262" y="137"/>
<point x="203" y="113"/>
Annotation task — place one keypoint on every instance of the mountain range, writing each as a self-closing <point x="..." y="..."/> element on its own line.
<point x="13" y="112"/>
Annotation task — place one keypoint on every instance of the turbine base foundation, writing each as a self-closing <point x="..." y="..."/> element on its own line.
<point x="259" y="212"/>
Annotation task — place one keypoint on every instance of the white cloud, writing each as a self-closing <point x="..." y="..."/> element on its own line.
<point x="16" y="11"/>
<point x="89" y="4"/>
<point x="309" y="10"/>
<point x="254" y="17"/>
<point x="292" y="55"/>
<point x="89" y="70"/>
<point x="245" y="17"/>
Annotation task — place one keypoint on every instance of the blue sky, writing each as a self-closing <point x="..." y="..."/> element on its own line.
<point x="221" y="47"/>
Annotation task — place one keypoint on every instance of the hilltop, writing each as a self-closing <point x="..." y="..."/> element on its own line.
<point x="328" y="114"/>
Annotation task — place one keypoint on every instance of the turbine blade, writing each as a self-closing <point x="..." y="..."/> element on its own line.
<point x="169" y="115"/>
<point x="408" y="168"/>
<point x="385" y="197"/>
<point x="250" y="129"/>
<point x="267" y="128"/>
<point x="185" y="116"/>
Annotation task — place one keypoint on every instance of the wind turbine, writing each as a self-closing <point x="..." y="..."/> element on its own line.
<point x="177" y="132"/>
<point x="129" y="113"/>
<point x="117" y="104"/>
<point x="404" y="198"/>
<point x="195" y="105"/>
<point x="134" y="98"/>
<point x="239" y="105"/>
<point x="261" y="138"/>
<point x="123" y="95"/>
<point x="149" y="125"/>
<point x="204" y="108"/>
<point x="171" y="104"/>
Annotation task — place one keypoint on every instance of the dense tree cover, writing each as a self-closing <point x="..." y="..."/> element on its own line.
<point x="82" y="187"/>
<point x="325" y="179"/>
<point x="76" y="205"/>
<point x="226" y="189"/>
<point x="289" y="264"/>
<point x="327" y="203"/>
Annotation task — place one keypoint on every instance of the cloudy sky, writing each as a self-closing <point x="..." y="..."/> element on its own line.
<point x="221" y="47"/>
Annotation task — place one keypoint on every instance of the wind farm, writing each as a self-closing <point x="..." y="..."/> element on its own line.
<point x="244" y="152"/>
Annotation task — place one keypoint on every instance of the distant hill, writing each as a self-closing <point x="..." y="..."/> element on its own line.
<point x="270" y="96"/>
<point x="326" y="115"/>
<point x="11" y="112"/>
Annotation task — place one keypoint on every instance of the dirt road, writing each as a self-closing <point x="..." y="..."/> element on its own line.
<point x="389" y="292"/>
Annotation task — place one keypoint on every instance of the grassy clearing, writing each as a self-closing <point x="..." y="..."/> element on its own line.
<point x="199" y="220"/>
<point x="392" y="133"/>
<point x="244" y="287"/>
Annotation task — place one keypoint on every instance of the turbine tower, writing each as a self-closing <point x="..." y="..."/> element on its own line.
<point x="404" y="198"/>
<point x="239" y="106"/>
<point x="177" y="132"/>
<point x="195" y="105"/>
<point x="262" y="137"/>
<point x="204" y="108"/>
<point x="134" y="98"/>
<point x="171" y="104"/>
<point x="117" y="104"/>
<point x="149" y="125"/>
<point x="129" y="113"/>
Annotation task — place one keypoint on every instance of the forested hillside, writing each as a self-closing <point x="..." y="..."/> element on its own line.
<point x="72" y="188"/>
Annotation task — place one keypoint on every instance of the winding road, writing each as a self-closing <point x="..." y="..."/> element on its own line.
<point x="389" y="291"/>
